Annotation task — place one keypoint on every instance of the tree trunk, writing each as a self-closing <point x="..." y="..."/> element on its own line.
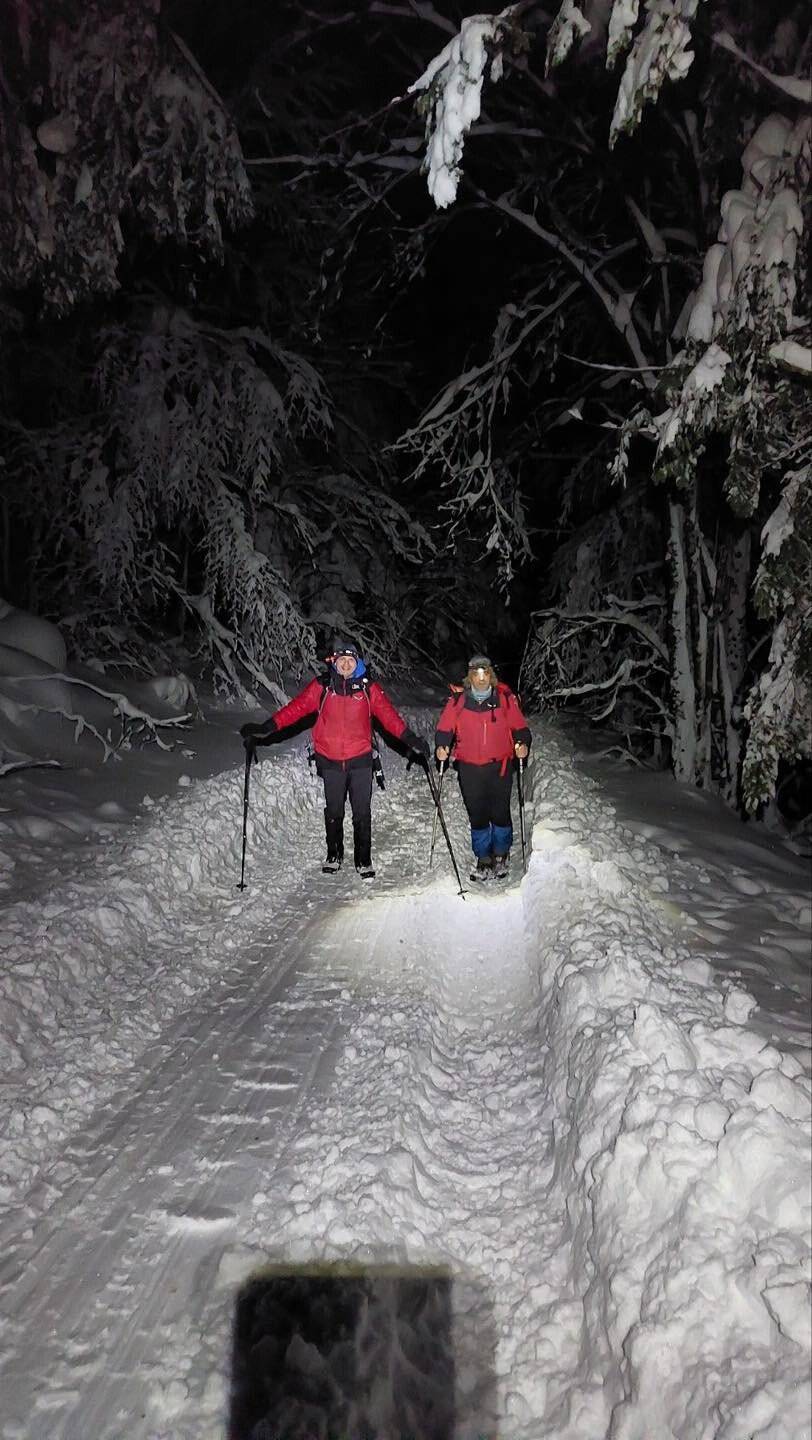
<point x="683" y="681"/>
<point x="734" y="586"/>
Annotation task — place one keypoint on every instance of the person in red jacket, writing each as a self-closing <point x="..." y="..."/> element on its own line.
<point x="345" y="705"/>
<point x="484" y="725"/>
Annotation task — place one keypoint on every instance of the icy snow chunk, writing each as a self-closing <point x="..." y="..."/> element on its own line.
<point x="739" y="1005"/>
<point x="608" y="879"/>
<point x="772" y="1088"/>
<point x="700" y="972"/>
<point x="710" y="1118"/>
<point x="791" y="1308"/>
<point x="545" y="839"/>
<point x="168" y="1399"/>
<point x="658" y="1034"/>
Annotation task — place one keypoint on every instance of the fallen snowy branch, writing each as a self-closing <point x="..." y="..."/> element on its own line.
<point x="132" y="716"/>
<point x="611" y="617"/>
<point x="8" y="767"/>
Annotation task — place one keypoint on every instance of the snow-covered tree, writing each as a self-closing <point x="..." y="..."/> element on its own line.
<point x="107" y="126"/>
<point x="194" y="447"/>
<point x="729" y="361"/>
<point x="748" y="380"/>
<point x="183" y="494"/>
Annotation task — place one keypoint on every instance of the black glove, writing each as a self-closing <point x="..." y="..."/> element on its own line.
<point x="253" y="735"/>
<point x="416" y="744"/>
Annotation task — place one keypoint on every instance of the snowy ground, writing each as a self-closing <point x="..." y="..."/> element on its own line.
<point x="586" y="1098"/>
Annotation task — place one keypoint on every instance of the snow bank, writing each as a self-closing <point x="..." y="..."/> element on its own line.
<point x="95" y="969"/>
<point x="682" y="1154"/>
<point x="32" y="635"/>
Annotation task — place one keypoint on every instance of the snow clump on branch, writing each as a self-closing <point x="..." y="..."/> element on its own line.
<point x="743" y="306"/>
<point x="450" y="92"/>
<point x="659" y="52"/>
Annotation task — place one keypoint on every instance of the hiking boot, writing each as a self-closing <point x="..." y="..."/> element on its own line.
<point x="362" y="845"/>
<point x="335" y="845"/>
<point x="500" y="866"/>
<point x="483" y="868"/>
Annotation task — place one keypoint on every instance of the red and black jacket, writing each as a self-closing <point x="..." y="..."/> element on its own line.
<point x="483" y="732"/>
<point x="342" y="734"/>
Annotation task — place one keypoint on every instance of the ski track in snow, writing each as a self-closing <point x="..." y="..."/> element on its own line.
<point x="545" y="1090"/>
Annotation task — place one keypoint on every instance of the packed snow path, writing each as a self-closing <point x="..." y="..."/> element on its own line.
<point x="543" y="1090"/>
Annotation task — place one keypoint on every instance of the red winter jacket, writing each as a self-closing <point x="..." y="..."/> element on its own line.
<point x="483" y="732"/>
<point x="343" y="730"/>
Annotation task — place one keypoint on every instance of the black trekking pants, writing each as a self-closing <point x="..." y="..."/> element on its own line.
<point x="357" y="783"/>
<point x="486" y="793"/>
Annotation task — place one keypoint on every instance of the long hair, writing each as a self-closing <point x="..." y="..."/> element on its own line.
<point x="493" y="679"/>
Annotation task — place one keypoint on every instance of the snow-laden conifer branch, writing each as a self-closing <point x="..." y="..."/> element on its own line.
<point x="451" y="85"/>
<point x="742" y="333"/>
<point x="450" y="91"/>
<point x="129" y="124"/>
<point x="577" y="655"/>
<point x="797" y="87"/>
<point x="779" y="706"/>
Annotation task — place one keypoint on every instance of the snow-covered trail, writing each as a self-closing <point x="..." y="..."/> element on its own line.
<point x="167" y="1172"/>
<point x="545" y="1091"/>
<point x="120" y="1298"/>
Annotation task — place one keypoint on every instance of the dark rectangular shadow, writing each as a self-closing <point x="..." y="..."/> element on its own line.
<point x="350" y="1352"/>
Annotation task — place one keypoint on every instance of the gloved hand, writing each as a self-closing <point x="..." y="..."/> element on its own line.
<point x="416" y="744"/>
<point x="253" y="735"/>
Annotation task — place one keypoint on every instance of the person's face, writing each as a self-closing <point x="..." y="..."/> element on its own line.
<point x="345" y="665"/>
<point x="480" y="678"/>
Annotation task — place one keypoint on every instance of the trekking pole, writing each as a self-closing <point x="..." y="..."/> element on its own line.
<point x="249" y="756"/>
<point x="441" y="817"/>
<point x="443" y="764"/>
<point x="521" y="817"/>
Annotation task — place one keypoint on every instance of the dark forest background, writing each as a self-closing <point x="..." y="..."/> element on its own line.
<point x="256" y="387"/>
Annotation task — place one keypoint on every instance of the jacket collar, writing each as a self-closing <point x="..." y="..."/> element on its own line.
<point x="492" y="702"/>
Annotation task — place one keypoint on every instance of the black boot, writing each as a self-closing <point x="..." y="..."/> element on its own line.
<point x="500" y="866"/>
<point x="335" y="844"/>
<point x="362" y="838"/>
<point x="483" y="868"/>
